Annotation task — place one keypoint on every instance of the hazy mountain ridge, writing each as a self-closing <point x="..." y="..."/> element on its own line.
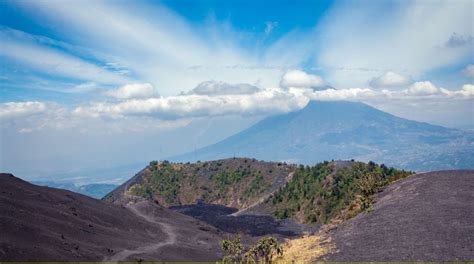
<point x="346" y="130"/>
<point x="94" y="190"/>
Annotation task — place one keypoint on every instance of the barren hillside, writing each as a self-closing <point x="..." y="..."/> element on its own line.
<point x="47" y="224"/>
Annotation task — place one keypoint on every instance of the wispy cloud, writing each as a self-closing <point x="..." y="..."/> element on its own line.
<point x="22" y="48"/>
<point x="407" y="37"/>
<point x="157" y="45"/>
<point x="153" y="44"/>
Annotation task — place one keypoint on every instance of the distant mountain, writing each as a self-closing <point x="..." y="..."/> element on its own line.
<point x="94" y="190"/>
<point x="346" y="130"/>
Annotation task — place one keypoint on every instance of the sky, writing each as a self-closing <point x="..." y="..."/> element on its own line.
<point x="90" y="85"/>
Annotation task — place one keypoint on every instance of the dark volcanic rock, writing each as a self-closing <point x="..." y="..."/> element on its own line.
<point x="427" y="217"/>
<point x="221" y="217"/>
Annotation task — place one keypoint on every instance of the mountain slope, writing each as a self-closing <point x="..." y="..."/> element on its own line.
<point x="234" y="182"/>
<point x="46" y="224"/>
<point x="426" y="217"/>
<point x="346" y="130"/>
<point x="244" y="186"/>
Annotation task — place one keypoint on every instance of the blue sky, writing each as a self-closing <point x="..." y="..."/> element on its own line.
<point x="106" y="71"/>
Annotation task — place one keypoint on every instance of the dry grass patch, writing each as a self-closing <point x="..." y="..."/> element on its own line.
<point x="308" y="248"/>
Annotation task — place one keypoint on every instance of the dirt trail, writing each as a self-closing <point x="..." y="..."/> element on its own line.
<point x="264" y="198"/>
<point x="166" y="228"/>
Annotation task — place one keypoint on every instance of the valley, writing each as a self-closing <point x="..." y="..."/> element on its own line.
<point x="243" y="186"/>
<point x="337" y="210"/>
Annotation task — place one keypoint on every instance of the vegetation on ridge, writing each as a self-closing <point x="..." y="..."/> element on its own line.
<point x="315" y="194"/>
<point x="320" y="192"/>
<point x="235" y="182"/>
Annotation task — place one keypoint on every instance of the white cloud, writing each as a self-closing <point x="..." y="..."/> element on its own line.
<point x="221" y="88"/>
<point x="136" y="90"/>
<point x="12" y="110"/>
<point x="423" y="88"/>
<point x="357" y="42"/>
<point x="467" y="90"/>
<point x="158" y="113"/>
<point x="266" y="101"/>
<point x="300" y="79"/>
<point x="219" y="99"/>
<point x="343" y="94"/>
<point x="469" y="70"/>
<point x="390" y="79"/>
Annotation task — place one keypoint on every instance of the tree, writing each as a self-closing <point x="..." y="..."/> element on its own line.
<point x="368" y="185"/>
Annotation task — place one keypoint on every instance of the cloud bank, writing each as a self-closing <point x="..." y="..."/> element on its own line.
<point x="12" y="110"/>
<point x="219" y="98"/>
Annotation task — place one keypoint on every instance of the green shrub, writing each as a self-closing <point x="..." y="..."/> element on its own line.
<point x="233" y="249"/>
<point x="320" y="192"/>
<point x="265" y="250"/>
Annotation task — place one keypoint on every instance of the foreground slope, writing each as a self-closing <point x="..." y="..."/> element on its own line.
<point x="426" y="217"/>
<point x="46" y="224"/>
<point x="343" y="130"/>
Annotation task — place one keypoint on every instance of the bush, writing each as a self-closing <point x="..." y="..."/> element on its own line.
<point x="234" y="250"/>
<point x="264" y="251"/>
